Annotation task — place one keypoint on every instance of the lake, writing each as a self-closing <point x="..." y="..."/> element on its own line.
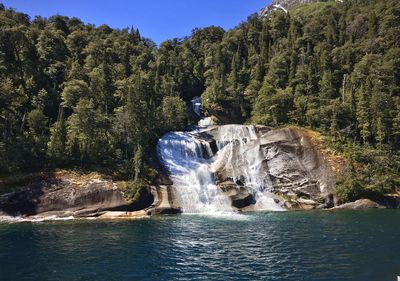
<point x="320" y="245"/>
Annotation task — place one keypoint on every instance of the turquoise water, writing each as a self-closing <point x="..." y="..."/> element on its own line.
<point x="362" y="245"/>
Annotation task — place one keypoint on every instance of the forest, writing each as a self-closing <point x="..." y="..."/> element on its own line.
<point x="73" y="95"/>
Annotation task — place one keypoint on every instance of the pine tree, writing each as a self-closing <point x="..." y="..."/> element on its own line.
<point x="363" y="114"/>
<point x="372" y="25"/>
<point x="138" y="162"/>
<point x="56" y="151"/>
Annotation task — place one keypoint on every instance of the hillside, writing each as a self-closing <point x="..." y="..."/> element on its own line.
<point x="285" y="5"/>
<point x="78" y="96"/>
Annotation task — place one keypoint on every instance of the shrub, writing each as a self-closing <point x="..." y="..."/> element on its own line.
<point x="135" y="190"/>
<point x="349" y="190"/>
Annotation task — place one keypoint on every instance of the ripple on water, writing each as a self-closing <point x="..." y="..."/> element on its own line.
<point x="268" y="246"/>
<point x="221" y="216"/>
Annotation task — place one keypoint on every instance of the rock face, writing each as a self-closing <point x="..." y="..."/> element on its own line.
<point x="239" y="195"/>
<point x="164" y="201"/>
<point x="72" y="194"/>
<point x="295" y="167"/>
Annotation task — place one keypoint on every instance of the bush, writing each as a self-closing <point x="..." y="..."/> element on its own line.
<point x="349" y="190"/>
<point x="372" y="174"/>
<point x="135" y="191"/>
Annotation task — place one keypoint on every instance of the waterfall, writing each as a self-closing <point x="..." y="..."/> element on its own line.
<point x="191" y="163"/>
<point x="241" y="157"/>
<point x="196" y="106"/>
<point x="188" y="160"/>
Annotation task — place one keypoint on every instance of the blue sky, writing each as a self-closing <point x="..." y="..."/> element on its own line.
<point x="156" y="19"/>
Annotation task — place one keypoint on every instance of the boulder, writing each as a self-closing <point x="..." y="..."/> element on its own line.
<point x="239" y="195"/>
<point x="242" y="199"/>
<point x="359" y="204"/>
<point x="329" y="202"/>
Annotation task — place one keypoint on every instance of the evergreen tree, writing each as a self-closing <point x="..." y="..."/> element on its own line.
<point x="56" y="150"/>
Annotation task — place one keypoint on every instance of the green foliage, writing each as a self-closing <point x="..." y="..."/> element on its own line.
<point x="304" y="10"/>
<point x="278" y="72"/>
<point x="372" y="173"/>
<point x="135" y="190"/>
<point x="58" y="141"/>
<point x="37" y="123"/>
<point x="349" y="190"/>
<point x="74" y="94"/>
<point x="73" y="91"/>
<point x="173" y="111"/>
<point x="138" y="162"/>
<point x="87" y="133"/>
<point x="272" y="106"/>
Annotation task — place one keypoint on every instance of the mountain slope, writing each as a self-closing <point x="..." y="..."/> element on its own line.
<point x="283" y="5"/>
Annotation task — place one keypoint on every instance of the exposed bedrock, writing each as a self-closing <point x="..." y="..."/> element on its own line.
<point x="359" y="205"/>
<point x="295" y="167"/>
<point x="71" y="194"/>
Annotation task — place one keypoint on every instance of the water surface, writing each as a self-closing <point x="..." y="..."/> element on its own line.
<point x="361" y="245"/>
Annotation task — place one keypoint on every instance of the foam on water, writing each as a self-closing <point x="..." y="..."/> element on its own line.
<point x="21" y="219"/>
<point x="223" y="215"/>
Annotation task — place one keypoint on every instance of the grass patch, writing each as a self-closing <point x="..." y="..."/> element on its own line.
<point x="304" y="10"/>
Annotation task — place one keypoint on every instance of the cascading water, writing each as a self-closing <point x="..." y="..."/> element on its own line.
<point x="191" y="163"/>
<point x="188" y="160"/>
<point x="239" y="156"/>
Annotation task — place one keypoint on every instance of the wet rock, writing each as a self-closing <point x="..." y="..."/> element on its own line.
<point x="390" y="201"/>
<point x="164" y="201"/>
<point x="307" y="202"/>
<point x="229" y="187"/>
<point x="360" y="204"/>
<point x="242" y="199"/>
<point x="329" y="202"/>
<point x="293" y="166"/>
<point x="238" y="194"/>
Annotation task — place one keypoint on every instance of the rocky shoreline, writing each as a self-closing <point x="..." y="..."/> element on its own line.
<point x="70" y="195"/>
<point x="303" y="175"/>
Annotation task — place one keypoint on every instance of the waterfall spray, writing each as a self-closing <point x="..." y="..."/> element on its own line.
<point x="191" y="162"/>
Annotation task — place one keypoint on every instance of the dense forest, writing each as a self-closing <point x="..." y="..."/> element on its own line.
<point x="77" y="95"/>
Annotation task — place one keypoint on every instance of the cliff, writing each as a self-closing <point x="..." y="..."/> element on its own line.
<point x="298" y="170"/>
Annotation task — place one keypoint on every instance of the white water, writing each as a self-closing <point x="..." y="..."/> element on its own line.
<point x="191" y="163"/>
<point x="240" y="156"/>
<point x="196" y="107"/>
<point x="38" y="218"/>
<point x="188" y="160"/>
